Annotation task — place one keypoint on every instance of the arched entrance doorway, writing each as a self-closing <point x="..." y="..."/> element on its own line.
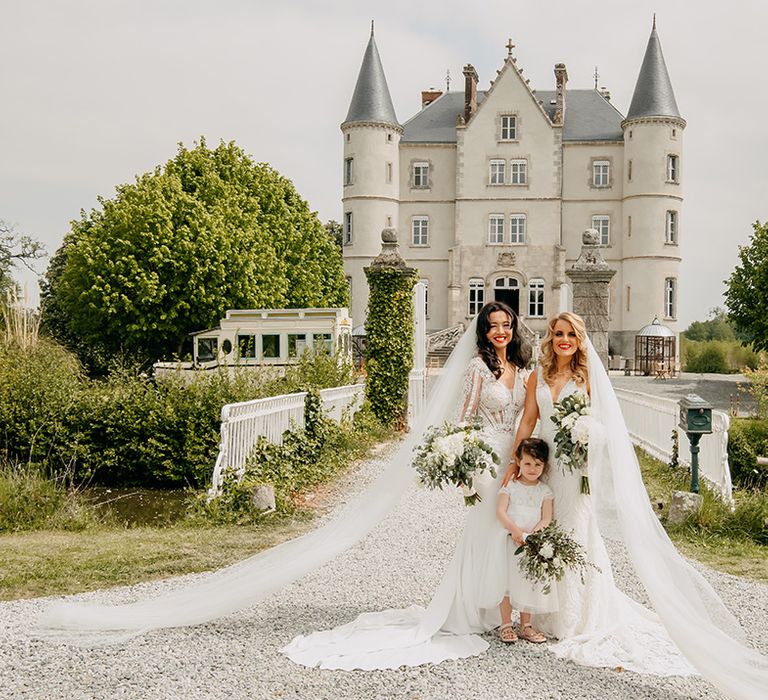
<point x="507" y="289"/>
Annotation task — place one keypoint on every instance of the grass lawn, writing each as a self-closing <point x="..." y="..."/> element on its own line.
<point x="47" y="563"/>
<point x="57" y="562"/>
<point x="731" y="553"/>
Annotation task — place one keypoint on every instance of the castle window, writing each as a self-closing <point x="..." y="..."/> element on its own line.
<point x="673" y="168"/>
<point x="421" y="174"/>
<point x="389" y="137"/>
<point x="671" y="235"/>
<point x="496" y="228"/>
<point x="388" y="173"/>
<point x="347" y="228"/>
<point x="519" y="170"/>
<point x="297" y="342"/>
<point x="498" y="168"/>
<point x="425" y="282"/>
<point x="420" y="230"/>
<point x="508" y="127"/>
<point x="476" y="295"/>
<point x="517" y="228"/>
<point x="629" y="296"/>
<point x="629" y="171"/>
<point x="670" y="297"/>
<point x="536" y="298"/>
<point x="348" y="170"/>
<point x="246" y="347"/>
<point x="601" y="173"/>
<point x="602" y="224"/>
<point x="629" y="227"/>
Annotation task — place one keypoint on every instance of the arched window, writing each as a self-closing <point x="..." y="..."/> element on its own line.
<point x="507" y="289"/>
<point x="476" y="295"/>
<point x="536" y="298"/>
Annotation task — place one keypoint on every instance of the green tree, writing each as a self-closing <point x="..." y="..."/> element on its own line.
<point x="717" y="327"/>
<point x="170" y="253"/>
<point x="746" y="296"/>
<point x="335" y="231"/>
<point x="15" y="249"/>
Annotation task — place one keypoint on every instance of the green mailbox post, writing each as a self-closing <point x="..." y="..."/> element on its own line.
<point x="695" y="420"/>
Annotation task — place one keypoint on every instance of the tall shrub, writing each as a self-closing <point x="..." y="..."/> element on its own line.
<point x="389" y="332"/>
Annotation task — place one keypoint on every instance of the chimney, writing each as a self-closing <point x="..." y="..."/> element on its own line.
<point x="429" y="96"/>
<point x="561" y="78"/>
<point x="470" y="91"/>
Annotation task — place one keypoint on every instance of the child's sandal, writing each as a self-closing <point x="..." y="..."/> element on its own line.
<point x="507" y="633"/>
<point x="532" y="635"/>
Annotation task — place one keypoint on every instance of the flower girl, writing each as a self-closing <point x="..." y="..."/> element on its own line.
<point x="524" y="506"/>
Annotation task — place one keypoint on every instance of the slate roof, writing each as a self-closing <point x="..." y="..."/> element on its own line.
<point x="653" y="96"/>
<point x="371" y="101"/>
<point x="588" y="117"/>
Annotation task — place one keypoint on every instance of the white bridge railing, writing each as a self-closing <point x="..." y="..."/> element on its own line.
<point x="652" y="419"/>
<point x="242" y="424"/>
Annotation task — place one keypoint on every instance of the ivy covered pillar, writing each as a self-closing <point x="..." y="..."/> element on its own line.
<point x="389" y="331"/>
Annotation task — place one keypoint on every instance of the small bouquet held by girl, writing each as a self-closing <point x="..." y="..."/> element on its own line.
<point x="455" y="454"/>
<point x="573" y="423"/>
<point x="548" y="553"/>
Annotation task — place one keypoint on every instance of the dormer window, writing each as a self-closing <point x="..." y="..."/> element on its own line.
<point x="421" y="174"/>
<point x="508" y="127"/>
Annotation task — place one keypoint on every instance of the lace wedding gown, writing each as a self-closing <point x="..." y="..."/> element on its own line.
<point x="448" y="627"/>
<point x="597" y="624"/>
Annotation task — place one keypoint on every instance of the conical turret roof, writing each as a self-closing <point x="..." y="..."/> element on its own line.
<point x="653" y="96"/>
<point x="371" y="101"/>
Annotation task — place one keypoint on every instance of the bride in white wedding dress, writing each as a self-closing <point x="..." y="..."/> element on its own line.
<point x="493" y="392"/>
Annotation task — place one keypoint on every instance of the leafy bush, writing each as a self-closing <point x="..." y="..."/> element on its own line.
<point x="305" y="459"/>
<point x="389" y="332"/>
<point x="40" y="386"/>
<point x="127" y="428"/>
<point x="748" y="439"/>
<point x="711" y="358"/>
<point x="31" y="501"/>
<point x="721" y="356"/>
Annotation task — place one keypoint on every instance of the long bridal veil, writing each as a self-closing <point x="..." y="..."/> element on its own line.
<point x="245" y="583"/>
<point x="697" y="621"/>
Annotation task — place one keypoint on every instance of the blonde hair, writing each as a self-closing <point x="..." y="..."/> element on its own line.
<point x="548" y="361"/>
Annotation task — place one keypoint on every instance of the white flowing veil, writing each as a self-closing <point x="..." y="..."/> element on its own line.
<point x="696" y="619"/>
<point x="241" y="585"/>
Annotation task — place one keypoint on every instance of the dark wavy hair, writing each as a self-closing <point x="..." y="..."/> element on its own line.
<point x="518" y="350"/>
<point x="536" y="448"/>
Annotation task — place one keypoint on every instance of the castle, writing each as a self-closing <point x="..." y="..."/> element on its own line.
<point x="491" y="191"/>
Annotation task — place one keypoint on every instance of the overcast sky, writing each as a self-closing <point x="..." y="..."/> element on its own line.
<point x="95" y="92"/>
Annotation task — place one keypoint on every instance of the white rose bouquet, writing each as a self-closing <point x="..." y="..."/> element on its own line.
<point x="455" y="455"/>
<point x="548" y="553"/>
<point x="573" y="423"/>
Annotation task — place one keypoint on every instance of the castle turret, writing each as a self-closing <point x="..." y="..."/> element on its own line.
<point x="370" y="174"/>
<point x="653" y="154"/>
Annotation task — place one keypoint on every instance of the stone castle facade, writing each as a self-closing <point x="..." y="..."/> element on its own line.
<point x="491" y="192"/>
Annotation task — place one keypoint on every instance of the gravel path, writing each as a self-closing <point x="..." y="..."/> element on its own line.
<point x="237" y="657"/>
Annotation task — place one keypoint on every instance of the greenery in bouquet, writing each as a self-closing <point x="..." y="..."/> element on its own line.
<point x="549" y="553"/>
<point x="454" y="454"/>
<point x="573" y="423"/>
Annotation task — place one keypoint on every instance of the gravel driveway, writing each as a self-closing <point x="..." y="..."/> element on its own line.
<point x="396" y="565"/>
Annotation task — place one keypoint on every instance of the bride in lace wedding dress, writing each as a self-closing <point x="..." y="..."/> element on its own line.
<point x="493" y="392"/>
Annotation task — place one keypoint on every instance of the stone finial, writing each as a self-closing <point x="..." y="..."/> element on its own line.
<point x="390" y="251"/>
<point x="590" y="237"/>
